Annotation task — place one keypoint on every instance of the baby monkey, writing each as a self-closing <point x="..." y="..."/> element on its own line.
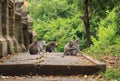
<point x="51" y="47"/>
<point x="76" y="46"/>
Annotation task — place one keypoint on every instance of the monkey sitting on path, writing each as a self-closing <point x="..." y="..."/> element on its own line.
<point x="51" y="47"/>
<point x="34" y="48"/>
<point x="69" y="48"/>
<point x="76" y="46"/>
<point x="72" y="48"/>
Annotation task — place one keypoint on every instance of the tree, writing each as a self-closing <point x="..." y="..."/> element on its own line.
<point x="86" y="18"/>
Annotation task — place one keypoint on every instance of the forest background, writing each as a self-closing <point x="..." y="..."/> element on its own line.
<point x="61" y="21"/>
<point x="95" y="22"/>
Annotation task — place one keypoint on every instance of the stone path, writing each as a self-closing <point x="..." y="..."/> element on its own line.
<point x="49" y="64"/>
<point x="46" y="78"/>
<point x="46" y="58"/>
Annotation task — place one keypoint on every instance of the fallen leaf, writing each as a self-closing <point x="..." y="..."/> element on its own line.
<point x="4" y="77"/>
<point x="111" y="62"/>
<point x="85" y="76"/>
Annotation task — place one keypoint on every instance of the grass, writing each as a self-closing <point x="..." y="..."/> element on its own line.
<point x="112" y="74"/>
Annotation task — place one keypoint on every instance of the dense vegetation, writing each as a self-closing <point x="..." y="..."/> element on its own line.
<point x="59" y="20"/>
<point x="64" y="20"/>
<point x="55" y="20"/>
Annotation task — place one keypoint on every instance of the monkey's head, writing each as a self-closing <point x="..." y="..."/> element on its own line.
<point x="53" y="44"/>
<point x="70" y="43"/>
<point x="35" y="42"/>
<point x="77" y="41"/>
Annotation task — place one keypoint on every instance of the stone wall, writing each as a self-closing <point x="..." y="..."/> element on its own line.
<point x="15" y="27"/>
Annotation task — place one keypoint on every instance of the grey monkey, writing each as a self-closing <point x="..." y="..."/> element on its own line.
<point x="68" y="48"/>
<point x="51" y="47"/>
<point x="42" y="44"/>
<point x="76" y="46"/>
<point x="72" y="48"/>
<point x="34" y="48"/>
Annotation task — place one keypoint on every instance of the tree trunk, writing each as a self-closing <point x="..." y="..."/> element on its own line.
<point x="86" y="19"/>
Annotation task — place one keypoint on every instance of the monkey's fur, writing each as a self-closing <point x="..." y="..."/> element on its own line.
<point x="51" y="47"/>
<point x="72" y="48"/>
<point x="68" y="48"/>
<point x="42" y="44"/>
<point x="34" y="48"/>
<point x="76" y="46"/>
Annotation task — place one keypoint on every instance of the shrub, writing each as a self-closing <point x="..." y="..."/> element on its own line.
<point x="112" y="74"/>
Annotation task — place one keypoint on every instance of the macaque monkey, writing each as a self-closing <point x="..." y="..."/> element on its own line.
<point x="69" y="48"/>
<point x="42" y="44"/>
<point x="76" y="46"/>
<point x="34" y="48"/>
<point x="72" y="48"/>
<point x="51" y="47"/>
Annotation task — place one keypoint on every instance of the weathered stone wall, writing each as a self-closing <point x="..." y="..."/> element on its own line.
<point x="15" y="25"/>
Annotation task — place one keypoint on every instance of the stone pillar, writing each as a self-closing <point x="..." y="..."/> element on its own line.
<point x="30" y="34"/>
<point x="20" y="36"/>
<point x="17" y="21"/>
<point x="12" y="25"/>
<point x="3" y="43"/>
<point x="5" y="26"/>
<point x="25" y="34"/>
<point x="18" y="25"/>
<point x="19" y="33"/>
<point x="25" y="25"/>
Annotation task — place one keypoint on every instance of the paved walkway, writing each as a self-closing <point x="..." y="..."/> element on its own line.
<point x="45" y="78"/>
<point x="49" y="64"/>
<point x="46" y="58"/>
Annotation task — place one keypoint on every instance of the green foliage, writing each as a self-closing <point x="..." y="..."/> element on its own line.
<point x="57" y="20"/>
<point x="112" y="74"/>
<point x="107" y="41"/>
<point x="51" y="9"/>
<point x="13" y="49"/>
<point x="59" y="31"/>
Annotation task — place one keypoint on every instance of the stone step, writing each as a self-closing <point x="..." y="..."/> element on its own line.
<point x="50" y="64"/>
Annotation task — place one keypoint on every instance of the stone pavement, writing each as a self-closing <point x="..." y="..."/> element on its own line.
<point x="49" y="64"/>
<point x="46" y="78"/>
